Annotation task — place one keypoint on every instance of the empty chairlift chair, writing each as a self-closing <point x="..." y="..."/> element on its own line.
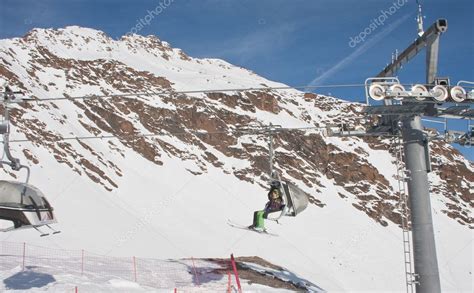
<point x="24" y="205"/>
<point x="467" y="139"/>
<point x="20" y="203"/>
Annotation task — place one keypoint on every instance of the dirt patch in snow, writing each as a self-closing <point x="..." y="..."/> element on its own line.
<point x="254" y="277"/>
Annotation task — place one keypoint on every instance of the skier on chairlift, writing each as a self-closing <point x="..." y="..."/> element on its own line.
<point x="275" y="204"/>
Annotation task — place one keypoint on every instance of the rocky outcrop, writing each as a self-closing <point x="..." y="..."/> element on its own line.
<point x="206" y="129"/>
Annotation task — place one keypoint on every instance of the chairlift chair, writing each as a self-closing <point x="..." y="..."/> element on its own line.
<point x="24" y="205"/>
<point x="21" y="203"/>
<point x="294" y="199"/>
<point x="467" y="139"/>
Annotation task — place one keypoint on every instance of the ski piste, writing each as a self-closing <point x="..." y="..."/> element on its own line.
<point x="244" y="227"/>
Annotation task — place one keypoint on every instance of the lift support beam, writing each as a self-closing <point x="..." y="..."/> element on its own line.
<point x="429" y="39"/>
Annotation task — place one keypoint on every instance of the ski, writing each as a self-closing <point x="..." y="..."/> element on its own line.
<point x="243" y="227"/>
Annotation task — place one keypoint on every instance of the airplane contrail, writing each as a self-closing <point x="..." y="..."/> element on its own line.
<point x="359" y="51"/>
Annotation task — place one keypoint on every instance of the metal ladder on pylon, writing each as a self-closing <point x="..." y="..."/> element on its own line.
<point x="402" y="177"/>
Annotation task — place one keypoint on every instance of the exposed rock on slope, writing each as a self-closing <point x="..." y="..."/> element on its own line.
<point x="201" y="128"/>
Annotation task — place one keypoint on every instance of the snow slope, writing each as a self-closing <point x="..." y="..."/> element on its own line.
<point x="166" y="197"/>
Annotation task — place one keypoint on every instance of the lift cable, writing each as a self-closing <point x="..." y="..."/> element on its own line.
<point x="153" y="93"/>
<point x="171" y="91"/>
<point x="195" y="132"/>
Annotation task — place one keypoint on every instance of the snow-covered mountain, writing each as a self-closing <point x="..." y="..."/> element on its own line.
<point x="175" y="171"/>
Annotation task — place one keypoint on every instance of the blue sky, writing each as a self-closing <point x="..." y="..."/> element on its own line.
<point x="296" y="42"/>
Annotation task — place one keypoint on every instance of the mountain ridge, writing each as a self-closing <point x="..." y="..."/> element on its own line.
<point x="198" y="129"/>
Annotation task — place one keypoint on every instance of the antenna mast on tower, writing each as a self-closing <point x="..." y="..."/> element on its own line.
<point x="419" y="20"/>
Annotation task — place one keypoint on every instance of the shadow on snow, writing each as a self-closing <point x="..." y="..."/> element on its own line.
<point x="28" y="279"/>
